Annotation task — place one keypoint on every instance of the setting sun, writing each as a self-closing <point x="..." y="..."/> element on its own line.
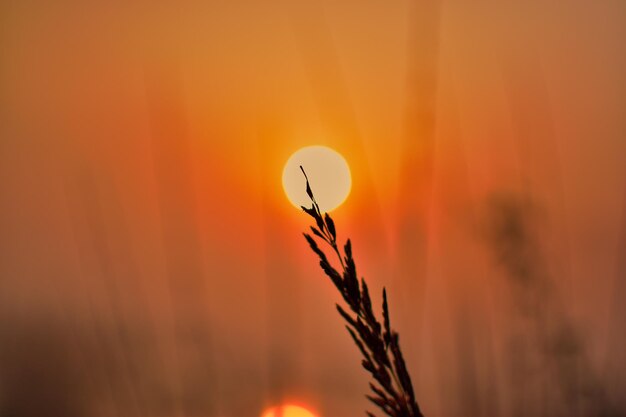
<point x="288" y="411"/>
<point x="328" y="174"/>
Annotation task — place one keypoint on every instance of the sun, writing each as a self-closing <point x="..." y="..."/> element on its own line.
<point x="329" y="176"/>
<point x="288" y="411"/>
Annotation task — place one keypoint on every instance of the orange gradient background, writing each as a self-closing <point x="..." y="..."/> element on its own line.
<point x="151" y="264"/>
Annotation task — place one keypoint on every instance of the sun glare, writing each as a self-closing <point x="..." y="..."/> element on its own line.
<point x="329" y="176"/>
<point x="288" y="411"/>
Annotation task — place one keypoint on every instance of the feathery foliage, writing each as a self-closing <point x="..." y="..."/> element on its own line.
<point x="391" y="390"/>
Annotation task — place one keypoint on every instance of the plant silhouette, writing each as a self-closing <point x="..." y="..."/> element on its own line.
<point x="391" y="390"/>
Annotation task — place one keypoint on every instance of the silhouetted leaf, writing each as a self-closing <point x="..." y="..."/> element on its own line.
<point x="330" y="225"/>
<point x="387" y="332"/>
<point x="332" y="274"/>
<point x="308" y="187"/>
<point x="359" y="344"/>
<point x="310" y="211"/>
<point x="317" y="233"/>
<point x="314" y="247"/>
<point x="346" y="316"/>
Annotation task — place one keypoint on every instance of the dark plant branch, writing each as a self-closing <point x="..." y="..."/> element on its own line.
<point x="392" y="390"/>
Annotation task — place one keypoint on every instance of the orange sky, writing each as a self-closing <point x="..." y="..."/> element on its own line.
<point x="144" y="224"/>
